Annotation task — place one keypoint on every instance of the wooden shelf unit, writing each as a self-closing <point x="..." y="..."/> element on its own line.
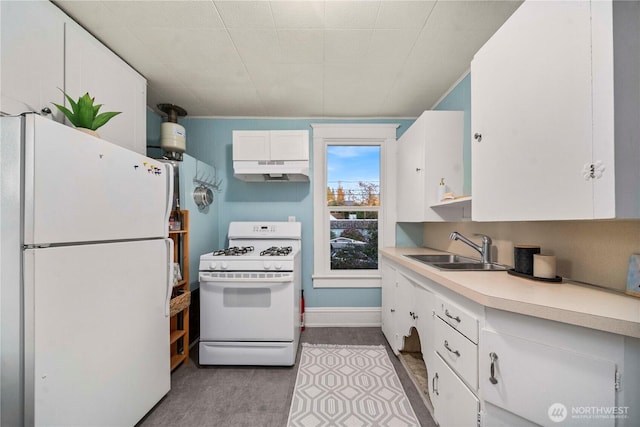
<point x="179" y="335"/>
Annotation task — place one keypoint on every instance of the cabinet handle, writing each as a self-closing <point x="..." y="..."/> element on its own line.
<point x="492" y="378"/>
<point x="446" y="345"/>
<point x="477" y="136"/>
<point x="433" y="384"/>
<point x="393" y="310"/>
<point x="418" y="169"/>
<point x="457" y="318"/>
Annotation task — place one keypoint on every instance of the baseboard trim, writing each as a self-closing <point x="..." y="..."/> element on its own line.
<point x="342" y="317"/>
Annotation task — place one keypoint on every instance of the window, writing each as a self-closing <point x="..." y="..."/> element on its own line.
<point x="353" y="204"/>
<point x="351" y="172"/>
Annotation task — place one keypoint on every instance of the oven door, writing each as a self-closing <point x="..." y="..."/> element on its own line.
<point x="247" y="306"/>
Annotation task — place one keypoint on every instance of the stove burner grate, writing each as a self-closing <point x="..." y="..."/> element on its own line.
<point x="277" y="251"/>
<point x="234" y="251"/>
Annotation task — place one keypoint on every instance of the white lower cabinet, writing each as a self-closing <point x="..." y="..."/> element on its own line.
<point x="494" y="368"/>
<point x="414" y="309"/>
<point x="497" y="417"/>
<point x="425" y="322"/>
<point x="454" y="405"/>
<point x="388" y="309"/>
<point x="551" y="373"/>
<point x="545" y="384"/>
<point x="459" y="353"/>
<point x="458" y="318"/>
<point x="405" y="308"/>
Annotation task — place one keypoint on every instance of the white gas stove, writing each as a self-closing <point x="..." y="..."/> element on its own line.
<point x="250" y="296"/>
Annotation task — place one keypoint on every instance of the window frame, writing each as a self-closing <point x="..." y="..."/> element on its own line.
<point x="324" y="135"/>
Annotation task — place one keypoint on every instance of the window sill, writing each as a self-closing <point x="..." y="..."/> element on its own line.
<point x="347" y="281"/>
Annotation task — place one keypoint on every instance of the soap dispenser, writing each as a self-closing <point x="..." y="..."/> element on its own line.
<point x="442" y="188"/>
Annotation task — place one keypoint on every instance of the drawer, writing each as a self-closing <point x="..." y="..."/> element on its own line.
<point x="454" y="405"/>
<point x="459" y="353"/>
<point x="458" y="318"/>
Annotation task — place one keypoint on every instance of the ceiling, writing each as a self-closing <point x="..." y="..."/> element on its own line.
<point x="295" y="58"/>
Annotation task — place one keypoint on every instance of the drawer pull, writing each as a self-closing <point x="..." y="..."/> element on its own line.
<point x="433" y="384"/>
<point x="446" y="345"/>
<point x="457" y="318"/>
<point x="492" y="378"/>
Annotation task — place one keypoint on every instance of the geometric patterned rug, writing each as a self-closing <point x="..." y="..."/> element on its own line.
<point x="350" y="386"/>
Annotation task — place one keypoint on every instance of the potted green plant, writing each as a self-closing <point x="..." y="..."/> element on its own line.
<point x="84" y="115"/>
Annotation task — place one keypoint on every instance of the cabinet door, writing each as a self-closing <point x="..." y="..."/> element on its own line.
<point x="388" y="304"/>
<point x="250" y="145"/>
<point x="532" y="380"/>
<point x="454" y="405"/>
<point x="32" y="57"/>
<point x="410" y="175"/>
<point x="532" y="111"/>
<point x="289" y="145"/>
<point x="430" y="150"/>
<point x="424" y="308"/>
<point x="91" y="67"/>
<point x="405" y="303"/>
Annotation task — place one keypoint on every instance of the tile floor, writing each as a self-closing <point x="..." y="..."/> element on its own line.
<point x="235" y="396"/>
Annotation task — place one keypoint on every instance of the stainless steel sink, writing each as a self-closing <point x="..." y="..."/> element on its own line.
<point x="448" y="258"/>
<point x="456" y="263"/>
<point x="468" y="266"/>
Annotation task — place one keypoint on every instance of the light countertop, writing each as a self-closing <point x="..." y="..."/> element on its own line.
<point x="566" y="302"/>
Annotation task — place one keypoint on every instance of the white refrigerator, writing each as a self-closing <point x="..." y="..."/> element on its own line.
<point x="85" y="278"/>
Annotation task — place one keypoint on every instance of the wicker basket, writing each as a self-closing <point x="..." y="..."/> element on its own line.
<point x="179" y="303"/>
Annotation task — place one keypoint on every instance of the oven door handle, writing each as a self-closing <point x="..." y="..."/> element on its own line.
<point x="253" y="280"/>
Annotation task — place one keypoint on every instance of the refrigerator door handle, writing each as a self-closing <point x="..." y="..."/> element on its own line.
<point x="167" y="306"/>
<point x="169" y="196"/>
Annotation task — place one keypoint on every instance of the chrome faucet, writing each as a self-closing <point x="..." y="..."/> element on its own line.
<point x="485" y="249"/>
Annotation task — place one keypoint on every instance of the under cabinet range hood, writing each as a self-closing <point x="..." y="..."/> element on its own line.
<point x="271" y="156"/>
<point x="271" y="170"/>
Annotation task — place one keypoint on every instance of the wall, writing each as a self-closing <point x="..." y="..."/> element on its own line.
<point x="210" y="139"/>
<point x="595" y="252"/>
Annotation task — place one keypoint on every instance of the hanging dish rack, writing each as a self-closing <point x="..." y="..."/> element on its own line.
<point x="206" y="185"/>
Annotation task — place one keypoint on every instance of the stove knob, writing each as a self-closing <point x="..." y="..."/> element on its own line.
<point x="278" y="266"/>
<point x="224" y="265"/>
<point x="213" y="265"/>
<point x="267" y="265"/>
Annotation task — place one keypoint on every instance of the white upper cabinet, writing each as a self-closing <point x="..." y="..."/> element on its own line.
<point x="546" y="144"/>
<point x="32" y="57"/>
<point x="431" y="149"/>
<point x="91" y="67"/>
<point x="251" y="145"/>
<point x="289" y="145"/>
<point x="44" y="51"/>
<point x="271" y="145"/>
